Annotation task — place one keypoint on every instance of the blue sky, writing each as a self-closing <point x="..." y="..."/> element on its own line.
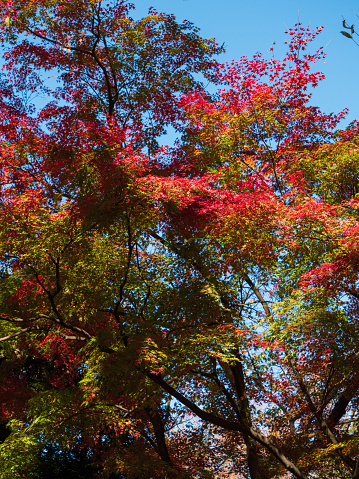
<point x="246" y="27"/>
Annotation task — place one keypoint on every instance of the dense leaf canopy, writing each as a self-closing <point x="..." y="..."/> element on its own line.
<point x="183" y="312"/>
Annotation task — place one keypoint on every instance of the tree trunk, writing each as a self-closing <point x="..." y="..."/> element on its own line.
<point x="159" y="430"/>
<point x="252" y="455"/>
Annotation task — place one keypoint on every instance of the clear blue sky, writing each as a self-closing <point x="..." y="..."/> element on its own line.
<point x="246" y="27"/>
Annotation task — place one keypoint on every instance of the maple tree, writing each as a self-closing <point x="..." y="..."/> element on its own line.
<point x="184" y="311"/>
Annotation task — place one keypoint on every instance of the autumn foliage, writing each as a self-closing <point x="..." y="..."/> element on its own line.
<point x="172" y="312"/>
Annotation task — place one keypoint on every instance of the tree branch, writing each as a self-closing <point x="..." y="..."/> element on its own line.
<point x="228" y="425"/>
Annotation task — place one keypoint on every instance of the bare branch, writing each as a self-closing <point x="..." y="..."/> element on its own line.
<point x="23" y="331"/>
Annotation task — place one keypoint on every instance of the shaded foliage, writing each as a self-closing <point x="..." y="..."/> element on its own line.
<point x="212" y="284"/>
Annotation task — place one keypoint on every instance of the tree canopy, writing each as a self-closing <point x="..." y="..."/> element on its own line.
<point x="172" y="312"/>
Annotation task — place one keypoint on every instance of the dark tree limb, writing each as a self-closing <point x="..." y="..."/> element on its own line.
<point x="228" y="425"/>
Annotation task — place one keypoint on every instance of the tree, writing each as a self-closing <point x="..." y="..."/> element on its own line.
<point x="143" y="287"/>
